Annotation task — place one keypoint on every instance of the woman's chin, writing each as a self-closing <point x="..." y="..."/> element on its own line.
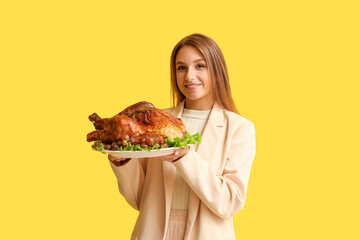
<point x="193" y="98"/>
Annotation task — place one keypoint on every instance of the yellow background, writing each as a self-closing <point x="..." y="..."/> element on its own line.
<point x="294" y="72"/>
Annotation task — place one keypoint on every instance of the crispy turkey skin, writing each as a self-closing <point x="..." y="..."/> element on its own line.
<point x="140" y="123"/>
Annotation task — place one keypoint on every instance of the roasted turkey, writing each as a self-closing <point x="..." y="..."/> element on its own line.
<point x="140" y="123"/>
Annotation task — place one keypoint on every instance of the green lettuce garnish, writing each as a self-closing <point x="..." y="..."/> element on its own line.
<point x="98" y="145"/>
<point x="188" y="139"/>
<point x="176" y="143"/>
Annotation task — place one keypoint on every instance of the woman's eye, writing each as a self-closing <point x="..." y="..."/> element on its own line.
<point x="180" y="68"/>
<point x="200" y="66"/>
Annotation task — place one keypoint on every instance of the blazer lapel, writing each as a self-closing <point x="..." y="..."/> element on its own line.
<point x="213" y="127"/>
<point x="177" y="111"/>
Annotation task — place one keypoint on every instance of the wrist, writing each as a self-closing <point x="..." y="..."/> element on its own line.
<point x="176" y="159"/>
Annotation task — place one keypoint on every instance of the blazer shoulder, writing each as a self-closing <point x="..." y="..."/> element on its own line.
<point x="239" y="126"/>
<point x="168" y="110"/>
<point x="236" y="119"/>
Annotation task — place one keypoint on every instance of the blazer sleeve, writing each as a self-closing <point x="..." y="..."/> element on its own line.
<point x="130" y="178"/>
<point x="223" y="194"/>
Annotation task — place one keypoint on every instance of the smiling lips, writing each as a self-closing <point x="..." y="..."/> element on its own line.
<point x="192" y="85"/>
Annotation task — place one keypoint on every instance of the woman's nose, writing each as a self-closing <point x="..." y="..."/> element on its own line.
<point x="190" y="74"/>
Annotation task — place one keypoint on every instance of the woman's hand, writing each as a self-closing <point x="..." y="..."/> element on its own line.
<point x="118" y="161"/>
<point x="178" y="153"/>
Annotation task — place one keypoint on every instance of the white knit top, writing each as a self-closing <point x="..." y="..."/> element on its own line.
<point x="195" y="121"/>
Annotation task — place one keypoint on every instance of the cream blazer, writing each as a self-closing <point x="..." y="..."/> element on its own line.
<point x="217" y="174"/>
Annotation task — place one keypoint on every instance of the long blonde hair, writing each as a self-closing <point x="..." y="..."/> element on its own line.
<point x="217" y="70"/>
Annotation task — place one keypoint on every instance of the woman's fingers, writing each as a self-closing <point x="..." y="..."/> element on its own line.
<point x="114" y="159"/>
<point x="176" y="155"/>
<point x="118" y="161"/>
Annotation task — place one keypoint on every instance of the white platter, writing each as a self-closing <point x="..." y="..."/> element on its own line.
<point x="139" y="154"/>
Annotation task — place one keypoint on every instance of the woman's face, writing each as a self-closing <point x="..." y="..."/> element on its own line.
<point x="193" y="78"/>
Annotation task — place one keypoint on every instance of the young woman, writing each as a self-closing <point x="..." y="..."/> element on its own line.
<point x="195" y="192"/>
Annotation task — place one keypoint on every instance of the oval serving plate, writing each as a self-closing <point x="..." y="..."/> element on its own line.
<point x="139" y="154"/>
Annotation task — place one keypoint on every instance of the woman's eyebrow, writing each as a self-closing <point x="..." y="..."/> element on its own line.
<point x="197" y="60"/>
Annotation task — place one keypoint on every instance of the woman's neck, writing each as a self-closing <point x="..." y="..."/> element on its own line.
<point x="198" y="105"/>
